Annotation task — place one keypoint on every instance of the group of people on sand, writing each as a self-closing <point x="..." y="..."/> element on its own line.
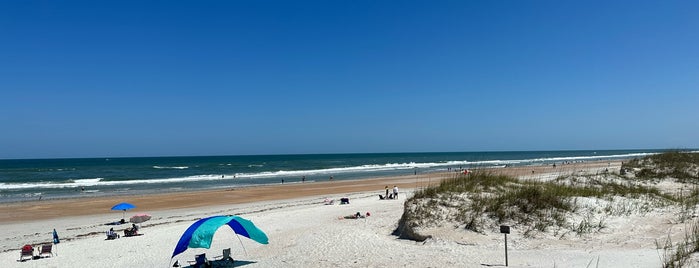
<point x="392" y="195"/>
<point x="131" y="231"/>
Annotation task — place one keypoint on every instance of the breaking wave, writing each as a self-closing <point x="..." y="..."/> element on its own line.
<point x="161" y="167"/>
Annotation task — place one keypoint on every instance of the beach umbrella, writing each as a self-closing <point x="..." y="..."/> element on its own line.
<point x="55" y="237"/>
<point x="139" y="218"/>
<point x="123" y="207"/>
<point x="201" y="233"/>
<point x="56" y="240"/>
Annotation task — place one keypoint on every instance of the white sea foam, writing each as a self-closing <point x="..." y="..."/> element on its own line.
<point x="161" y="167"/>
<point x="412" y="165"/>
<point x="87" y="182"/>
<point x="595" y="157"/>
<point x="356" y="169"/>
<point x="49" y="185"/>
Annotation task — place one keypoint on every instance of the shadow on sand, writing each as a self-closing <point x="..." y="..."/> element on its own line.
<point x="239" y="263"/>
<point x="224" y="264"/>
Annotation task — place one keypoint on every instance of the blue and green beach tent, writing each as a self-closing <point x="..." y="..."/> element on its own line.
<point x="201" y="233"/>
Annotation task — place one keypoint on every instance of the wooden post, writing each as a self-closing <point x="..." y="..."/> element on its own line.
<point x="505" y="249"/>
<point x="504" y="229"/>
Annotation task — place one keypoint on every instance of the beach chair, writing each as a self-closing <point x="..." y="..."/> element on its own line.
<point x="226" y="255"/>
<point x="223" y="261"/>
<point x="46" y="250"/>
<point x="344" y="201"/>
<point x="27" y="252"/>
<point x="200" y="261"/>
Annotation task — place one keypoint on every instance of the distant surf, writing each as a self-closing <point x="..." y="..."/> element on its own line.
<point x="159" y="167"/>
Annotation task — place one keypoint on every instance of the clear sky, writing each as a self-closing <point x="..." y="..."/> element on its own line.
<point x="163" y="78"/>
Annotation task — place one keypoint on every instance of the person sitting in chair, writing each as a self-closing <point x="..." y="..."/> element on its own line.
<point x="131" y="231"/>
<point x="111" y="234"/>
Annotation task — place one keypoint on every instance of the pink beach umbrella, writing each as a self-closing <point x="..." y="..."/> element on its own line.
<point x="139" y="218"/>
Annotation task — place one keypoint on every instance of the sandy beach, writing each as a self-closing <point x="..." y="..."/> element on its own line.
<point x="537" y="134"/>
<point x="304" y="232"/>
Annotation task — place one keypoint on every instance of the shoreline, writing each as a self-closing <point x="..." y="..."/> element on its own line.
<point x="58" y="208"/>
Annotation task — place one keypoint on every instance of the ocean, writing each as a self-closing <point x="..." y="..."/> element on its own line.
<point x="34" y="179"/>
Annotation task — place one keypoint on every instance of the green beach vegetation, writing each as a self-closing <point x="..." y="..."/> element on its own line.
<point x="574" y="204"/>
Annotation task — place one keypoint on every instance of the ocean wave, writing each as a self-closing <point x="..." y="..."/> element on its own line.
<point x="593" y="157"/>
<point x="161" y="167"/>
<point x="413" y="165"/>
<point x="87" y="182"/>
<point x="74" y="184"/>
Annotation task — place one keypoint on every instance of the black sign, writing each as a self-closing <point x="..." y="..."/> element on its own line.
<point x="504" y="229"/>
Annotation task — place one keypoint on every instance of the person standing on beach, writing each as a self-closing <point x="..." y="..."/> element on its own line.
<point x="395" y="192"/>
<point x="386" y="196"/>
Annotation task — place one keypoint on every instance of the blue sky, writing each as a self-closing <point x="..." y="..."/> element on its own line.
<point x="161" y="78"/>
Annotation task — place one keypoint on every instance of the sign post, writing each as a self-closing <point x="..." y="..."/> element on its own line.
<point x="504" y="229"/>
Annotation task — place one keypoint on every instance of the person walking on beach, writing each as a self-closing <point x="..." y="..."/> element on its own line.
<point x="395" y="192"/>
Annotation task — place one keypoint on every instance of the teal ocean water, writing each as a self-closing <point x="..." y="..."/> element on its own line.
<point x="31" y="179"/>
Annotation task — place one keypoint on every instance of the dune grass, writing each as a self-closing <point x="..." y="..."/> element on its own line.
<point x="675" y="255"/>
<point x="480" y="201"/>
<point x="533" y="205"/>
<point x="679" y="165"/>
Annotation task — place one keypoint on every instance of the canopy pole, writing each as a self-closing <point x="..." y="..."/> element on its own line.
<point x="241" y="244"/>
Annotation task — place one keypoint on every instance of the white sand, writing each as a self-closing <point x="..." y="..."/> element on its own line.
<point x="306" y="233"/>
